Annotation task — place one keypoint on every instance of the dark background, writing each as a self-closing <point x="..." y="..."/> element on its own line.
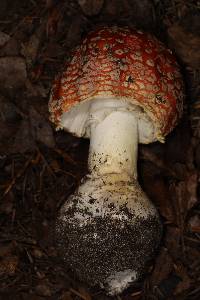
<point x="39" y="167"/>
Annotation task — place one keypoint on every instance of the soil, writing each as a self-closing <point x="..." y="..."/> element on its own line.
<point x="40" y="167"/>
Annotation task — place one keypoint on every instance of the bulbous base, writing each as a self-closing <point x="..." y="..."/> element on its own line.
<point x="106" y="241"/>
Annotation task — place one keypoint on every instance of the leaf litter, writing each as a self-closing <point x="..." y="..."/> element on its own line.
<point x="40" y="168"/>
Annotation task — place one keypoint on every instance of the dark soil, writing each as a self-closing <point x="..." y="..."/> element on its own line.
<point x="40" y="168"/>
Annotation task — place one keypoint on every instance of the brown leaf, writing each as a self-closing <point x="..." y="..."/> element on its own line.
<point x="173" y="241"/>
<point x="37" y="253"/>
<point x="194" y="223"/>
<point x="91" y="7"/>
<point x="158" y="191"/>
<point x="197" y="156"/>
<point x="66" y="296"/>
<point x="82" y="293"/>
<point x="4" y="38"/>
<point x="12" y="72"/>
<point x="8" y="265"/>
<point x="191" y="188"/>
<point x="163" y="267"/>
<point x="85" y="294"/>
<point x="6" y="249"/>
<point x="29" y="296"/>
<point x="8" y="110"/>
<point x="184" y="196"/>
<point x="6" y="205"/>
<point x="41" y="129"/>
<point x="186" y="44"/>
<point x="11" y="47"/>
<point x="23" y="140"/>
<point x="49" y="3"/>
<point x="74" y="31"/>
<point x="43" y="290"/>
<point x="30" y="49"/>
<point x="53" y="20"/>
<point x="185" y="280"/>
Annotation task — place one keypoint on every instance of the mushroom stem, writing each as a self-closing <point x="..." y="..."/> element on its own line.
<point x="109" y="208"/>
<point x="114" y="144"/>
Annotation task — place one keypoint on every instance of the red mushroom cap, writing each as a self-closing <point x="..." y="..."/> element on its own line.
<point x="126" y="64"/>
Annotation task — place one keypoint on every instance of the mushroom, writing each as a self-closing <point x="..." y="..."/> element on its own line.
<point x="122" y="87"/>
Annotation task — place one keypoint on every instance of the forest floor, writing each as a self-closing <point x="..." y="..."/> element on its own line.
<point x="40" y="167"/>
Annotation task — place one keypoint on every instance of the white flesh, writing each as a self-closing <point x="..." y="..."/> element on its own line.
<point x="114" y="144"/>
<point x="77" y="120"/>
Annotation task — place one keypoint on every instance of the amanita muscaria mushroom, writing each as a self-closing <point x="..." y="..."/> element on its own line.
<point x="122" y="87"/>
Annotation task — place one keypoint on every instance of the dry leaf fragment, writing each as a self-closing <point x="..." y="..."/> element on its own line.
<point x="194" y="223"/>
<point x="12" y="72"/>
<point x="185" y="282"/>
<point x="172" y="241"/>
<point x="30" y="49"/>
<point x="163" y="267"/>
<point x="91" y="7"/>
<point x="66" y="296"/>
<point x="43" y="290"/>
<point x="8" y="265"/>
<point x="41" y="129"/>
<point x="186" y="44"/>
<point x="23" y="140"/>
<point x="3" y="38"/>
<point x="53" y="20"/>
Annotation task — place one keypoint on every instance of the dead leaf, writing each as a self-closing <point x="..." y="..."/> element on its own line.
<point x="12" y="73"/>
<point x="66" y="296"/>
<point x="91" y="7"/>
<point x="74" y="31"/>
<point x="29" y="296"/>
<point x="6" y="249"/>
<point x="11" y="47"/>
<point x="8" y="265"/>
<point x="31" y="48"/>
<point x="37" y="253"/>
<point x="4" y="38"/>
<point x="185" y="280"/>
<point x="54" y="17"/>
<point x="36" y="90"/>
<point x="173" y="241"/>
<point x="8" y="110"/>
<point x="186" y="44"/>
<point x="43" y="290"/>
<point x="184" y="196"/>
<point x="197" y="156"/>
<point x="163" y="267"/>
<point x="194" y="223"/>
<point x="7" y="204"/>
<point x="81" y="293"/>
<point x="23" y="141"/>
<point x="49" y="3"/>
<point x="191" y="188"/>
<point x="85" y="294"/>
<point x="41" y="129"/>
<point x="158" y="191"/>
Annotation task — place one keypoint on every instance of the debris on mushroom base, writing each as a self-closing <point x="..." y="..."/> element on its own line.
<point x="122" y="87"/>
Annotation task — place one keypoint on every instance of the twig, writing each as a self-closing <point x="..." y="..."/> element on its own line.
<point x="46" y="163"/>
<point x="18" y="175"/>
<point x="66" y="156"/>
<point x="136" y="294"/>
<point x="78" y="294"/>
